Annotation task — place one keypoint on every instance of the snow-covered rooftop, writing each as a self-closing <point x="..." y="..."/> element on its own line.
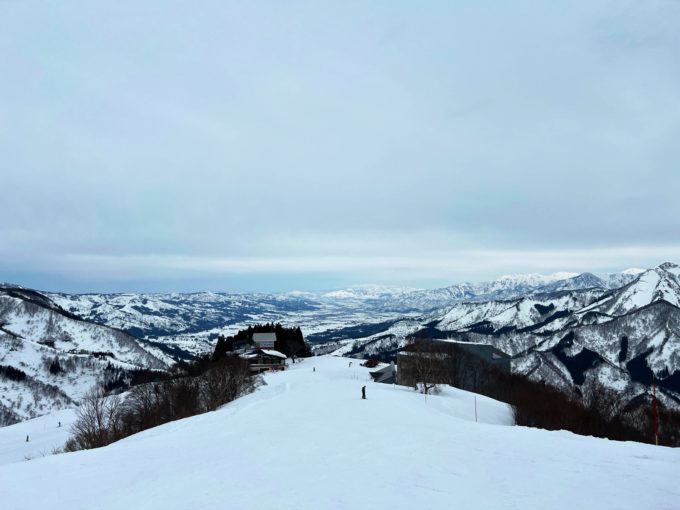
<point x="272" y="352"/>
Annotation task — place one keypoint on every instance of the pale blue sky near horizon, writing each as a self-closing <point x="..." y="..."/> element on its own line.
<point x="272" y="146"/>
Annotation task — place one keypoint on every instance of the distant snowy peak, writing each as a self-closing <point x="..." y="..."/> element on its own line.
<point x="618" y="280"/>
<point x="536" y="279"/>
<point x="659" y="284"/>
<point x="368" y="291"/>
<point x="633" y="271"/>
<point x="515" y="286"/>
<point x="579" y="282"/>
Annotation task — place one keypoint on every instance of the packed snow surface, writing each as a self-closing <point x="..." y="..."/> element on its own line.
<point x="308" y="441"/>
<point x="45" y="435"/>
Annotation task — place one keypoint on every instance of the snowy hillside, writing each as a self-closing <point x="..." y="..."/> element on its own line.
<point x="49" y="358"/>
<point x="46" y="435"/>
<point x="307" y="440"/>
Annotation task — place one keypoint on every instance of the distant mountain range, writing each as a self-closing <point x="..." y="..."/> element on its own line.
<point x="172" y="314"/>
<point x="564" y="328"/>
<point x="568" y="333"/>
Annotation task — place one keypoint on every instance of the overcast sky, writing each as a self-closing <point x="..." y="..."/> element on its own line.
<point x="164" y="145"/>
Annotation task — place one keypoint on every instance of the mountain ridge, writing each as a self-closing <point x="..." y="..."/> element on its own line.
<point x="371" y="320"/>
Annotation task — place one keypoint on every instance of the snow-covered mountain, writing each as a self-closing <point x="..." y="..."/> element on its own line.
<point x="49" y="358"/>
<point x="194" y="314"/>
<point x="477" y="301"/>
<point x="183" y="325"/>
<point x="659" y="284"/>
<point x="307" y="440"/>
<point x="152" y="330"/>
<point x="616" y="280"/>
<point x="564" y="336"/>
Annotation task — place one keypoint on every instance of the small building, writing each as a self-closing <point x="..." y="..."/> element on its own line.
<point x="264" y="340"/>
<point x="385" y="375"/>
<point x="262" y="360"/>
<point x="487" y="353"/>
<point x="459" y="364"/>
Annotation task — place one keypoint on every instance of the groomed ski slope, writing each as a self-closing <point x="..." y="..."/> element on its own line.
<point x="44" y="434"/>
<point x="307" y="441"/>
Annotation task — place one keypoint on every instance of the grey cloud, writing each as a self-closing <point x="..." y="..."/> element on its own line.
<point x="224" y="131"/>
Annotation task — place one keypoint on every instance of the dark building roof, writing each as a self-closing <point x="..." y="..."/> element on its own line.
<point x="385" y="375"/>
<point x="486" y="351"/>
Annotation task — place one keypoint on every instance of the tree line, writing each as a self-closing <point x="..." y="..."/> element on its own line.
<point x="592" y="409"/>
<point x="187" y="390"/>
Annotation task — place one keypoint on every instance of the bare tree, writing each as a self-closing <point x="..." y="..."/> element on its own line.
<point x="98" y="421"/>
<point x="226" y="381"/>
<point x="141" y="407"/>
<point x="427" y="365"/>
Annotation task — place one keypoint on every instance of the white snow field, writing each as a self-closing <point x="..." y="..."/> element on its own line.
<point x="44" y="434"/>
<point x="308" y="441"/>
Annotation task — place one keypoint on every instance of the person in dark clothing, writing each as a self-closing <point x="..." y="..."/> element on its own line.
<point x="363" y="392"/>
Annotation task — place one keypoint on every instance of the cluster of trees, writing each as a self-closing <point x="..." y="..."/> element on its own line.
<point x="55" y="367"/>
<point x="117" y="379"/>
<point x="190" y="389"/>
<point x="11" y="373"/>
<point x="289" y="341"/>
<point x="592" y="409"/>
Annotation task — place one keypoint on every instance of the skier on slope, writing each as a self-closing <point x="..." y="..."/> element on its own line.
<point x="363" y="392"/>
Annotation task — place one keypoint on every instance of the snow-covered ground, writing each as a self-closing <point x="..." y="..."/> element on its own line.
<point x="44" y="437"/>
<point x="308" y="441"/>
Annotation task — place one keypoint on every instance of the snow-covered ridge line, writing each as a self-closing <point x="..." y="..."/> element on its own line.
<point x="175" y="313"/>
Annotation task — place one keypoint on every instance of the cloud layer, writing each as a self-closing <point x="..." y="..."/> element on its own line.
<point x="265" y="145"/>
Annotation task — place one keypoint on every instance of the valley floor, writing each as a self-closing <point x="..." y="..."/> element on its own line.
<point x="308" y="441"/>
